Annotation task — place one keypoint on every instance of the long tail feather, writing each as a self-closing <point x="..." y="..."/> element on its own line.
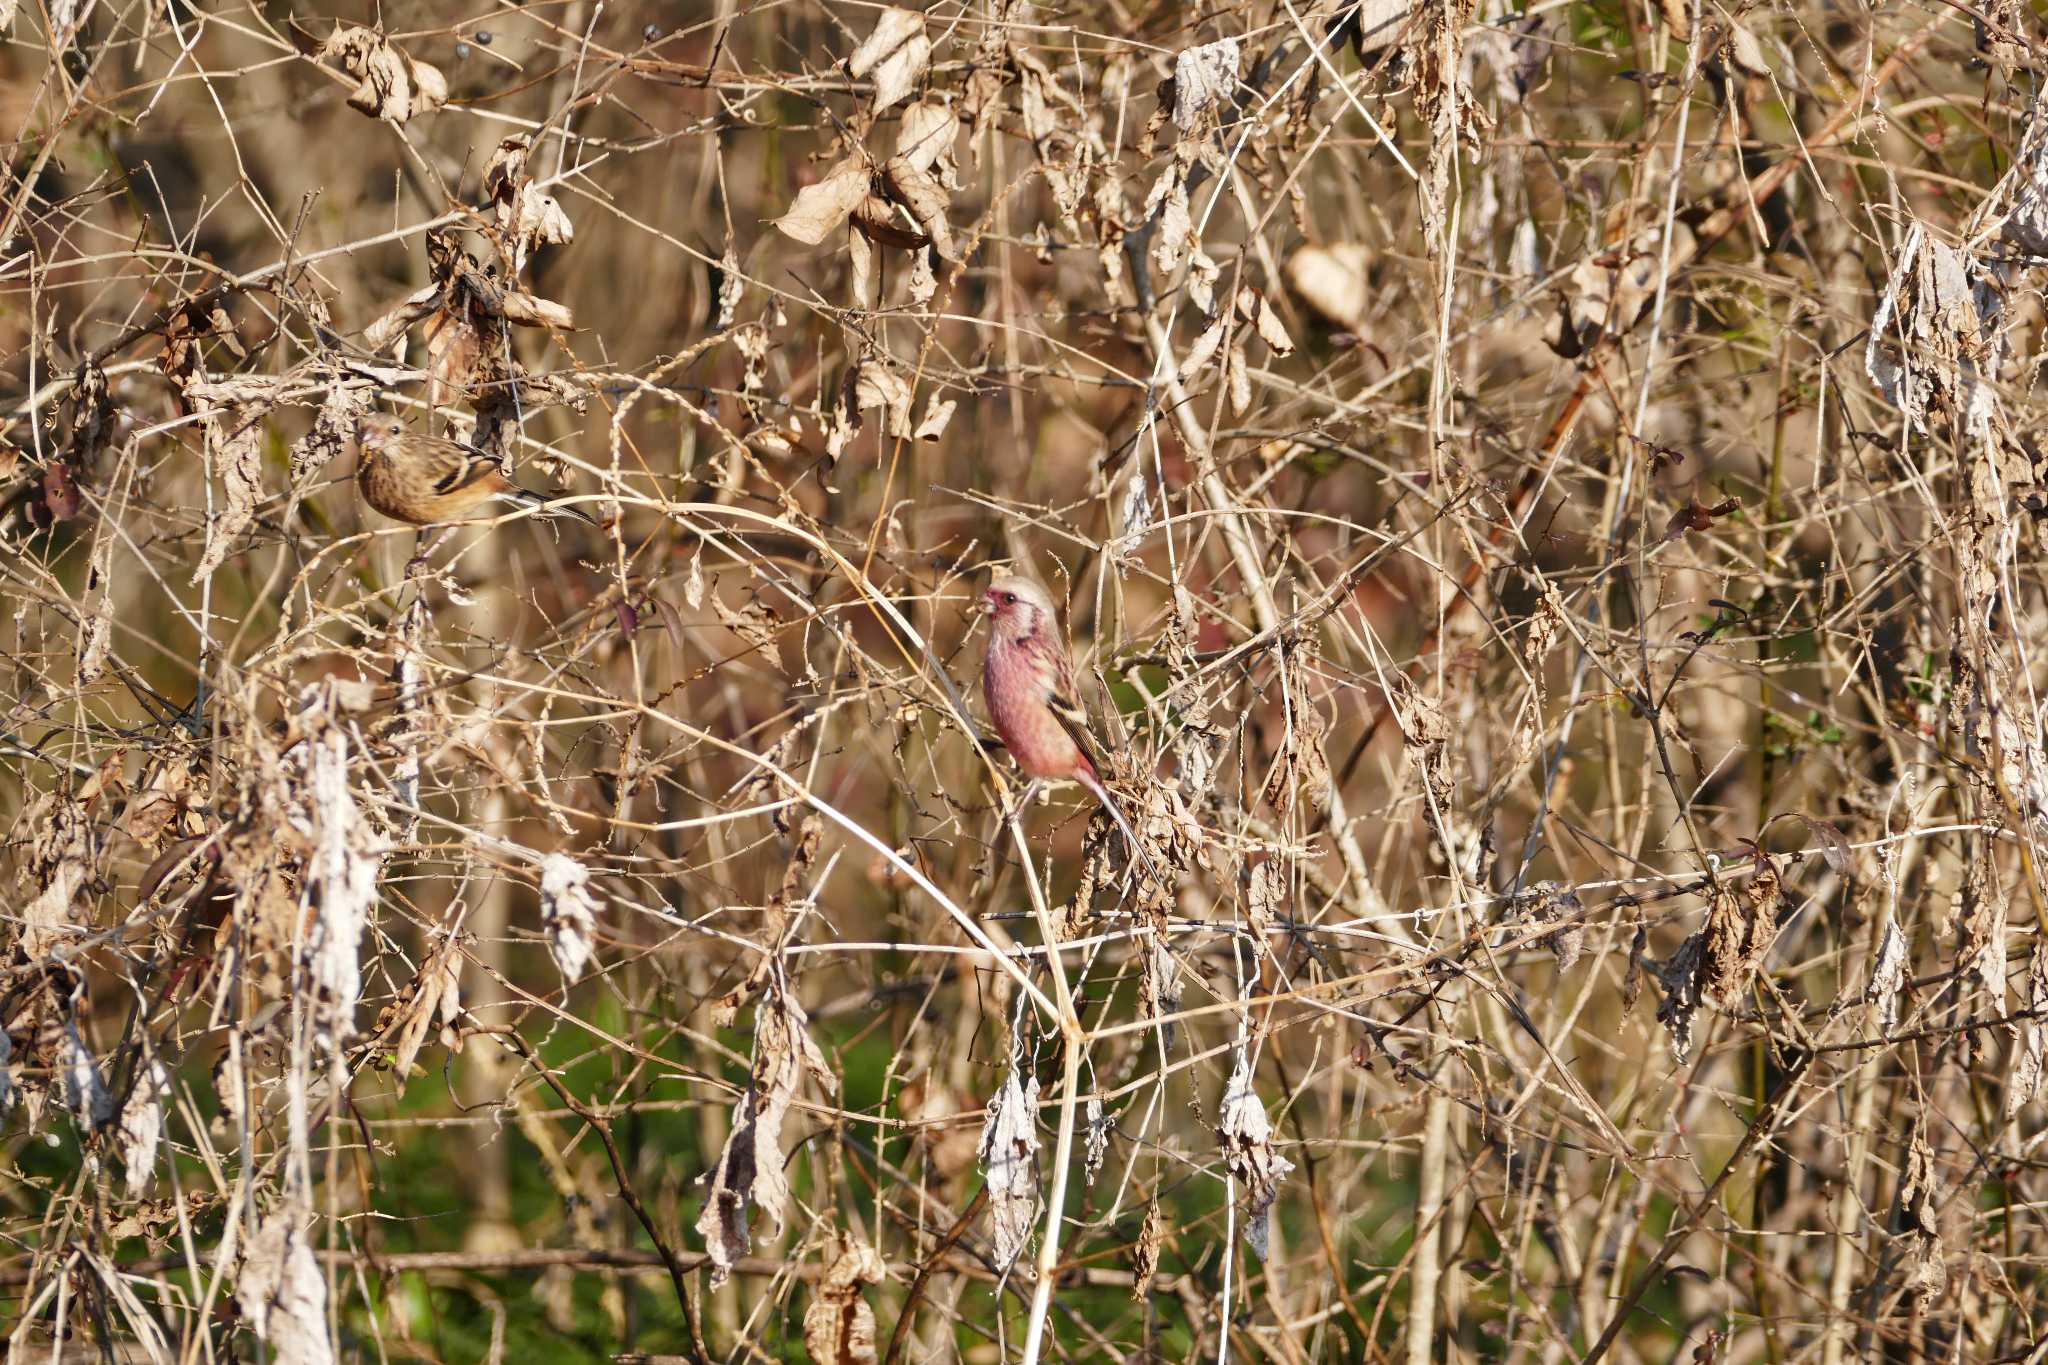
<point x="526" y="497"/>
<point x="1116" y="813"/>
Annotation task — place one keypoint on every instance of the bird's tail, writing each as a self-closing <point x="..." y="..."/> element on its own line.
<point x="547" y="507"/>
<point x="1116" y="813"/>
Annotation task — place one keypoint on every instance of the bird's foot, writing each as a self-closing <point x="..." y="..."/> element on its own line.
<point x="1023" y="802"/>
<point x="416" y="567"/>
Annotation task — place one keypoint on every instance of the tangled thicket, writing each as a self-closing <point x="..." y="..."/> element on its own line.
<point x="1549" y="506"/>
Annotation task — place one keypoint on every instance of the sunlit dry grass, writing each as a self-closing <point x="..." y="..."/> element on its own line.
<point x="1546" y="508"/>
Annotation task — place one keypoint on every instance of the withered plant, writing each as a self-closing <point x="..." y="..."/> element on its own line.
<point x="1547" y="507"/>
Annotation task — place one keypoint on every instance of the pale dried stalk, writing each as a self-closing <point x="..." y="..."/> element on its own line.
<point x="1427" y="1252"/>
<point x="1072" y="1041"/>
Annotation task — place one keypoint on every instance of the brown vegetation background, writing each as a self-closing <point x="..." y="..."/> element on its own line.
<point x="1548" y="507"/>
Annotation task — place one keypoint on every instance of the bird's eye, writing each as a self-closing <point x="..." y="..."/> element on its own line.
<point x="1010" y="599"/>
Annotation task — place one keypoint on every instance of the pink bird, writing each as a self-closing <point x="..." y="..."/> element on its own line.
<point x="1029" y="683"/>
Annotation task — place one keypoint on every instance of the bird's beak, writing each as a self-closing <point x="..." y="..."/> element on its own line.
<point x="988" y="602"/>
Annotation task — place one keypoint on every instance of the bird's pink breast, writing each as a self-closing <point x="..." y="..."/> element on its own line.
<point x="1016" y="683"/>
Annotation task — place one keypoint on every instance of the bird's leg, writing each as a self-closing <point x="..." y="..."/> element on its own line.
<point x="1014" y="813"/>
<point x="427" y="543"/>
<point x="1030" y="790"/>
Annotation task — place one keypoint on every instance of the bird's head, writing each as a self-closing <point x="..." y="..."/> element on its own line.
<point x="1017" y="608"/>
<point x="378" y="435"/>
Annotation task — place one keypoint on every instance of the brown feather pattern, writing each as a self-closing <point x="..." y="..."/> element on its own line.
<point x="428" y="480"/>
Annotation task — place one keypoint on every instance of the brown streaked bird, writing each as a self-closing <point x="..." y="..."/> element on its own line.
<point x="1029" y="684"/>
<point x="428" y="480"/>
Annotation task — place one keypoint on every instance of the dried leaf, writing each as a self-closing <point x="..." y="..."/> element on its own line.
<point x="1550" y="902"/>
<point x="1302" y="769"/>
<point x="1266" y="899"/>
<point x="878" y="220"/>
<point x="893" y="28"/>
<point x="1834" y="848"/>
<point x="751" y="341"/>
<point x="529" y="311"/>
<point x="1610" y="292"/>
<point x="1937" y="338"/>
<point x="436" y="995"/>
<point x="1926" y="1270"/>
<point x="394" y="87"/>
<point x="342" y="871"/>
<point x="1245" y="1135"/>
<point x="2026" y="223"/>
<point x="1237" y="379"/>
<point x="924" y="140"/>
<point x="142" y="1125"/>
<point x="334" y="428"/>
<point x="897" y="52"/>
<point x="85" y="1092"/>
<point x="57" y="867"/>
<point x="93" y="420"/>
<point x="2000" y="29"/>
<point x="1697" y="516"/>
<point x="732" y="287"/>
<point x="937" y="415"/>
<point x="568" y="914"/>
<point x="1378" y="25"/>
<point x="1145" y="1255"/>
<point x="1333" y="280"/>
<point x="1745" y="53"/>
<point x="1203" y="273"/>
<point x="60" y="499"/>
<point x="1679" y="979"/>
<point x="823" y="208"/>
<point x="234" y="455"/>
<point x="1203" y="77"/>
<point x="919" y="191"/>
<point x="506" y="170"/>
<point x="924" y="278"/>
<point x="1137" y="508"/>
<point x="1175" y="228"/>
<point x="1161" y="985"/>
<point x="839" y="1327"/>
<point x="2030" y="1036"/>
<point x="390" y="329"/>
<point x="1888" y="977"/>
<point x="1063" y="159"/>
<point x="1098" y="1125"/>
<point x="231" y="1086"/>
<point x="527" y="217"/>
<point x="454" y="346"/>
<point x="1741" y="927"/>
<point x="1204" y="349"/>
<point x="96" y="617"/>
<point x="860" y="255"/>
<point x="282" y="1294"/>
<point x="1009" y="1140"/>
<point x="877" y="385"/>
<point x="749" y="1172"/>
<point x="1252" y="306"/>
<point x="106" y="780"/>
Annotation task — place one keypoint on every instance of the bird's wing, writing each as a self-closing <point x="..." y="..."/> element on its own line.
<point x="1064" y="700"/>
<point x="456" y="467"/>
